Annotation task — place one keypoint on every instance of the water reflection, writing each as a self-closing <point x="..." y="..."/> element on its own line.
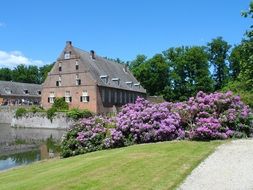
<point x="19" y="159"/>
<point x="9" y="134"/>
<point x="16" y="145"/>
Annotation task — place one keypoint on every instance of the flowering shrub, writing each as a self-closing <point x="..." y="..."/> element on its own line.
<point x="144" y="122"/>
<point x="86" y="135"/>
<point x="214" y="116"/>
<point x="204" y="117"/>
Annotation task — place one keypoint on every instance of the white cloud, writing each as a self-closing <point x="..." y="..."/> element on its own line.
<point x="14" y="58"/>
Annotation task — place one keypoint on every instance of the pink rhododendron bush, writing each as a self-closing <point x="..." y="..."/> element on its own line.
<point x="204" y="117"/>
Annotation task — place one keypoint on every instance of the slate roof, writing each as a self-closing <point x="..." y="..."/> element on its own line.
<point x="103" y="67"/>
<point x="9" y="88"/>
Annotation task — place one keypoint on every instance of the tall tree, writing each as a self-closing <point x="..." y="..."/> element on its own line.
<point x="246" y="74"/>
<point x="5" y="74"/>
<point x="235" y="59"/>
<point x="153" y="74"/>
<point x="189" y="72"/>
<point x="218" y="50"/>
<point x="43" y="71"/>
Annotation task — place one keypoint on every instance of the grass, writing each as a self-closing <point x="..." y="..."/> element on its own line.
<point x="149" y="166"/>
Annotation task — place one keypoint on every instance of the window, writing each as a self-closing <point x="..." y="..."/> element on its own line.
<point x="8" y="90"/>
<point x="137" y="85"/>
<point x="103" y="95"/>
<point x="115" y="97"/>
<point x="116" y="81"/>
<point x="26" y="91"/>
<point x="60" y="68"/>
<point x="120" y="97"/>
<point x="67" y="55"/>
<point x="109" y="95"/>
<point x="84" y="97"/>
<point x="129" y="84"/>
<point x="39" y="92"/>
<point x="104" y="78"/>
<point x="68" y="98"/>
<point x="51" y="98"/>
<point x="58" y="83"/>
<point x="78" y="81"/>
<point x="77" y="65"/>
<point x="125" y="97"/>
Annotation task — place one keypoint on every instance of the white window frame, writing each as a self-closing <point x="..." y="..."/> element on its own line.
<point x="85" y="96"/>
<point x="67" y="55"/>
<point x="51" y="97"/>
<point x="129" y="84"/>
<point x="67" y="96"/>
<point x="104" y="78"/>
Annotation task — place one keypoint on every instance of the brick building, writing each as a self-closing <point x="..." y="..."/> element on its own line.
<point x="16" y="93"/>
<point x="88" y="81"/>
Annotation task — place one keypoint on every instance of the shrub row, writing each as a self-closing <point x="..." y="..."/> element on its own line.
<point x="204" y="117"/>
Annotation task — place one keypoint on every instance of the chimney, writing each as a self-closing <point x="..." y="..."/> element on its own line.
<point x="92" y="54"/>
<point x="68" y="43"/>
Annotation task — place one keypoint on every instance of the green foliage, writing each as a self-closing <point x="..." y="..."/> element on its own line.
<point x="218" y="52"/>
<point x="5" y="74"/>
<point x="153" y="73"/>
<point x="78" y="114"/>
<point x="238" y="88"/>
<point x="43" y="71"/>
<point x="26" y="74"/>
<point x="51" y="112"/>
<point x="60" y="104"/>
<point x="20" y="112"/>
<point x="189" y="73"/>
<point x="35" y="109"/>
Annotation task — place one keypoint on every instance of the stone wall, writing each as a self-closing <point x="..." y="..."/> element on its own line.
<point x="6" y="115"/>
<point x="39" y="120"/>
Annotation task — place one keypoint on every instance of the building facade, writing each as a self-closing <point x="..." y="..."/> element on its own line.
<point x="88" y="81"/>
<point x="16" y="93"/>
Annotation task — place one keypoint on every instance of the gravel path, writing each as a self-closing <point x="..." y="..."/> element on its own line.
<point x="230" y="167"/>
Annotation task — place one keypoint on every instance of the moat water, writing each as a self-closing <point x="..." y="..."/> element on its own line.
<point x="22" y="146"/>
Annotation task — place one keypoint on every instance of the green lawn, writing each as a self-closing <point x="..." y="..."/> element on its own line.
<point x="148" y="166"/>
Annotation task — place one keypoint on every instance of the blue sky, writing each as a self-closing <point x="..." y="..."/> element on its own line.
<point x="35" y="32"/>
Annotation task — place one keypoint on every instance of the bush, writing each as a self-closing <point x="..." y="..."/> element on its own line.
<point x="60" y="104"/>
<point x="35" y="109"/>
<point x="144" y="122"/>
<point x="87" y="135"/>
<point x="51" y="112"/>
<point x="204" y="117"/>
<point x="20" y="112"/>
<point x="76" y="114"/>
<point x="214" y="116"/>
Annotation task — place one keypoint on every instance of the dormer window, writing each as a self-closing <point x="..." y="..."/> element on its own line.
<point x="60" y="68"/>
<point x="129" y="84"/>
<point x="116" y="81"/>
<point x="39" y="92"/>
<point x="137" y="85"/>
<point x="26" y="91"/>
<point x="104" y="78"/>
<point x="67" y="55"/>
<point x="77" y="65"/>
<point x="7" y="90"/>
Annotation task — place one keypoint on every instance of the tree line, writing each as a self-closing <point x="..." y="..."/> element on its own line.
<point x="26" y="74"/>
<point x="180" y="72"/>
